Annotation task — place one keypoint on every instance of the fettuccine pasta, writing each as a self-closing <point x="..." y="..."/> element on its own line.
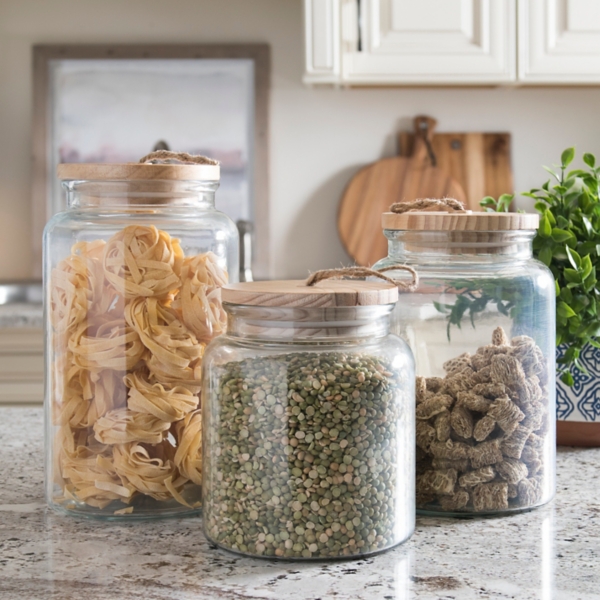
<point x="148" y="469"/>
<point x="143" y="261"/>
<point x="166" y="402"/>
<point x="130" y="320"/>
<point x="199" y="299"/>
<point x="188" y="457"/>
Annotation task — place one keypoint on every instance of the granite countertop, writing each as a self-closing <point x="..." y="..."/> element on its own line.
<point x="549" y="554"/>
<point x="21" y="315"/>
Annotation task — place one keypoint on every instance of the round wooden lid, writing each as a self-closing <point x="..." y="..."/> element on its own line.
<point x="463" y="221"/>
<point x="137" y="171"/>
<point x="324" y="294"/>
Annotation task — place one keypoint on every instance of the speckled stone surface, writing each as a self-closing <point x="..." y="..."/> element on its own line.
<point x="548" y="554"/>
<point x="21" y="315"/>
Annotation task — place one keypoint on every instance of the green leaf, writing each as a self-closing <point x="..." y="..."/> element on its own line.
<point x="504" y="202"/>
<point x="586" y="266"/>
<point x="559" y="235"/>
<point x="566" y="295"/>
<point x="555" y="175"/>
<point x="564" y="310"/>
<point x="572" y="276"/>
<point x="590" y="281"/>
<point x="588" y="226"/>
<point x="567" y="379"/>
<point x="566" y="158"/>
<point x="573" y="257"/>
<point x="545" y="229"/>
<point x="488" y="201"/>
<point x="592" y="330"/>
<point x="589" y="160"/>
<point x="545" y="255"/>
<point x="441" y="307"/>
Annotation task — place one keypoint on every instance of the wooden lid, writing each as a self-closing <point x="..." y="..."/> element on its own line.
<point x="325" y="294"/>
<point x="464" y="221"/>
<point x="137" y="171"/>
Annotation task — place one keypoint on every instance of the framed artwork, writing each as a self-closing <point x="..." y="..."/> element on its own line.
<point x="105" y="103"/>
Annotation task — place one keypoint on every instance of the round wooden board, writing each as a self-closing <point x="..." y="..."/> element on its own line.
<point x="371" y="192"/>
<point x="295" y="293"/>
<point x="137" y="171"/>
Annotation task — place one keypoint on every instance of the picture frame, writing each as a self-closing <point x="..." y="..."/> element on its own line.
<point x="63" y="130"/>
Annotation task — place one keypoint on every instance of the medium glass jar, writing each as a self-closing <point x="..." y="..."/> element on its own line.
<point x="132" y="274"/>
<point x="308" y="422"/>
<point x="482" y="329"/>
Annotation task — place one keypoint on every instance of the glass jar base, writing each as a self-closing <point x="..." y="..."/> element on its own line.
<point x="424" y="512"/>
<point x="115" y="511"/>
<point x="273" y="557"/>
<point x="576" y="433"/>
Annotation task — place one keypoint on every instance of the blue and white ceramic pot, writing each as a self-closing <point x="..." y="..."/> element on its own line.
<point x="578" y="407"/>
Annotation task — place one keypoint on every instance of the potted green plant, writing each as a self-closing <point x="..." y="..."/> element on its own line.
<point x="568" y="242"/>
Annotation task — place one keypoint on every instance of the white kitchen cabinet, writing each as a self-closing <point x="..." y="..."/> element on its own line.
<point x="388" y="42"/>
<point x="452" y="42"/>
<point x="559" y="41"/>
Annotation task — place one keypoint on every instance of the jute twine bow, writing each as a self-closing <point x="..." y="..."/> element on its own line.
<point x="429" y="204"/>
<point x="169" y="157"/>
<point x="361" y="272"/>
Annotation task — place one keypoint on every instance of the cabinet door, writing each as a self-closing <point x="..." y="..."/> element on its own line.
<point x="428" y="41"/>
<point x="322" y="41"/>
<point x="559" y="41"/>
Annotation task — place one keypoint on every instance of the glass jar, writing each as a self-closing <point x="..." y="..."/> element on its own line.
<point x="132" y="274"/>
<point x="308" y="422"/>
<point x="481" y="326"/>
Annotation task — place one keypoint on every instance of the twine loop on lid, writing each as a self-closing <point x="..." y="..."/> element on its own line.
<point x="177" y="158"/>
<point x="429" y="204"/>
<point x="363" y="272"/>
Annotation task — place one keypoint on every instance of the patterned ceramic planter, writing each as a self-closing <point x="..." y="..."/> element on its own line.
<point x="578" y="407"/>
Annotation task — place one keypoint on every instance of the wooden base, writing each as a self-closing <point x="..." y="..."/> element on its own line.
<point x="573" y="433"/>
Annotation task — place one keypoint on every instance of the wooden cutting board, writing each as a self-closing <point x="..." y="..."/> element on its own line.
<point x="480" y="162"/>
<point x="373" y="189"/>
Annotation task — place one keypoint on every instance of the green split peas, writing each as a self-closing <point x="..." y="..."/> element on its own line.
<point x="307" y="466"/>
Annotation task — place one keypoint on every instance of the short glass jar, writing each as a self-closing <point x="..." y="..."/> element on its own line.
<point x="308" y="422"/>
<point x="132" y="274"/>
<point x="482" y="329"/>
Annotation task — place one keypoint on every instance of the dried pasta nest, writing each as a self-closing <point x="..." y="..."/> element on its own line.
<point x="149" y="470"/>
<point x="106" y="301"/>
<point x="71" y="293"/>
<point x="142" y="261"/>
<point x="123" y="425"/>
<point x="112" y="345"/>
<point x="188" y="457"/>
<point x="87" y="471"/>
<point x="175" y="353"/>
<point x="199" y="300"/>
<point x="165" y="402"/>
<point x="84" y="400"/>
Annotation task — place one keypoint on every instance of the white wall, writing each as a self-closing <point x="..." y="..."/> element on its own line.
<point x="319" y="137"/>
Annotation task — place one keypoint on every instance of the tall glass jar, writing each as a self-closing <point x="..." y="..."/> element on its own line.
<point x="308" y="422"/>
<point x="482" y="329"/>
<point x="132" y="274"/>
